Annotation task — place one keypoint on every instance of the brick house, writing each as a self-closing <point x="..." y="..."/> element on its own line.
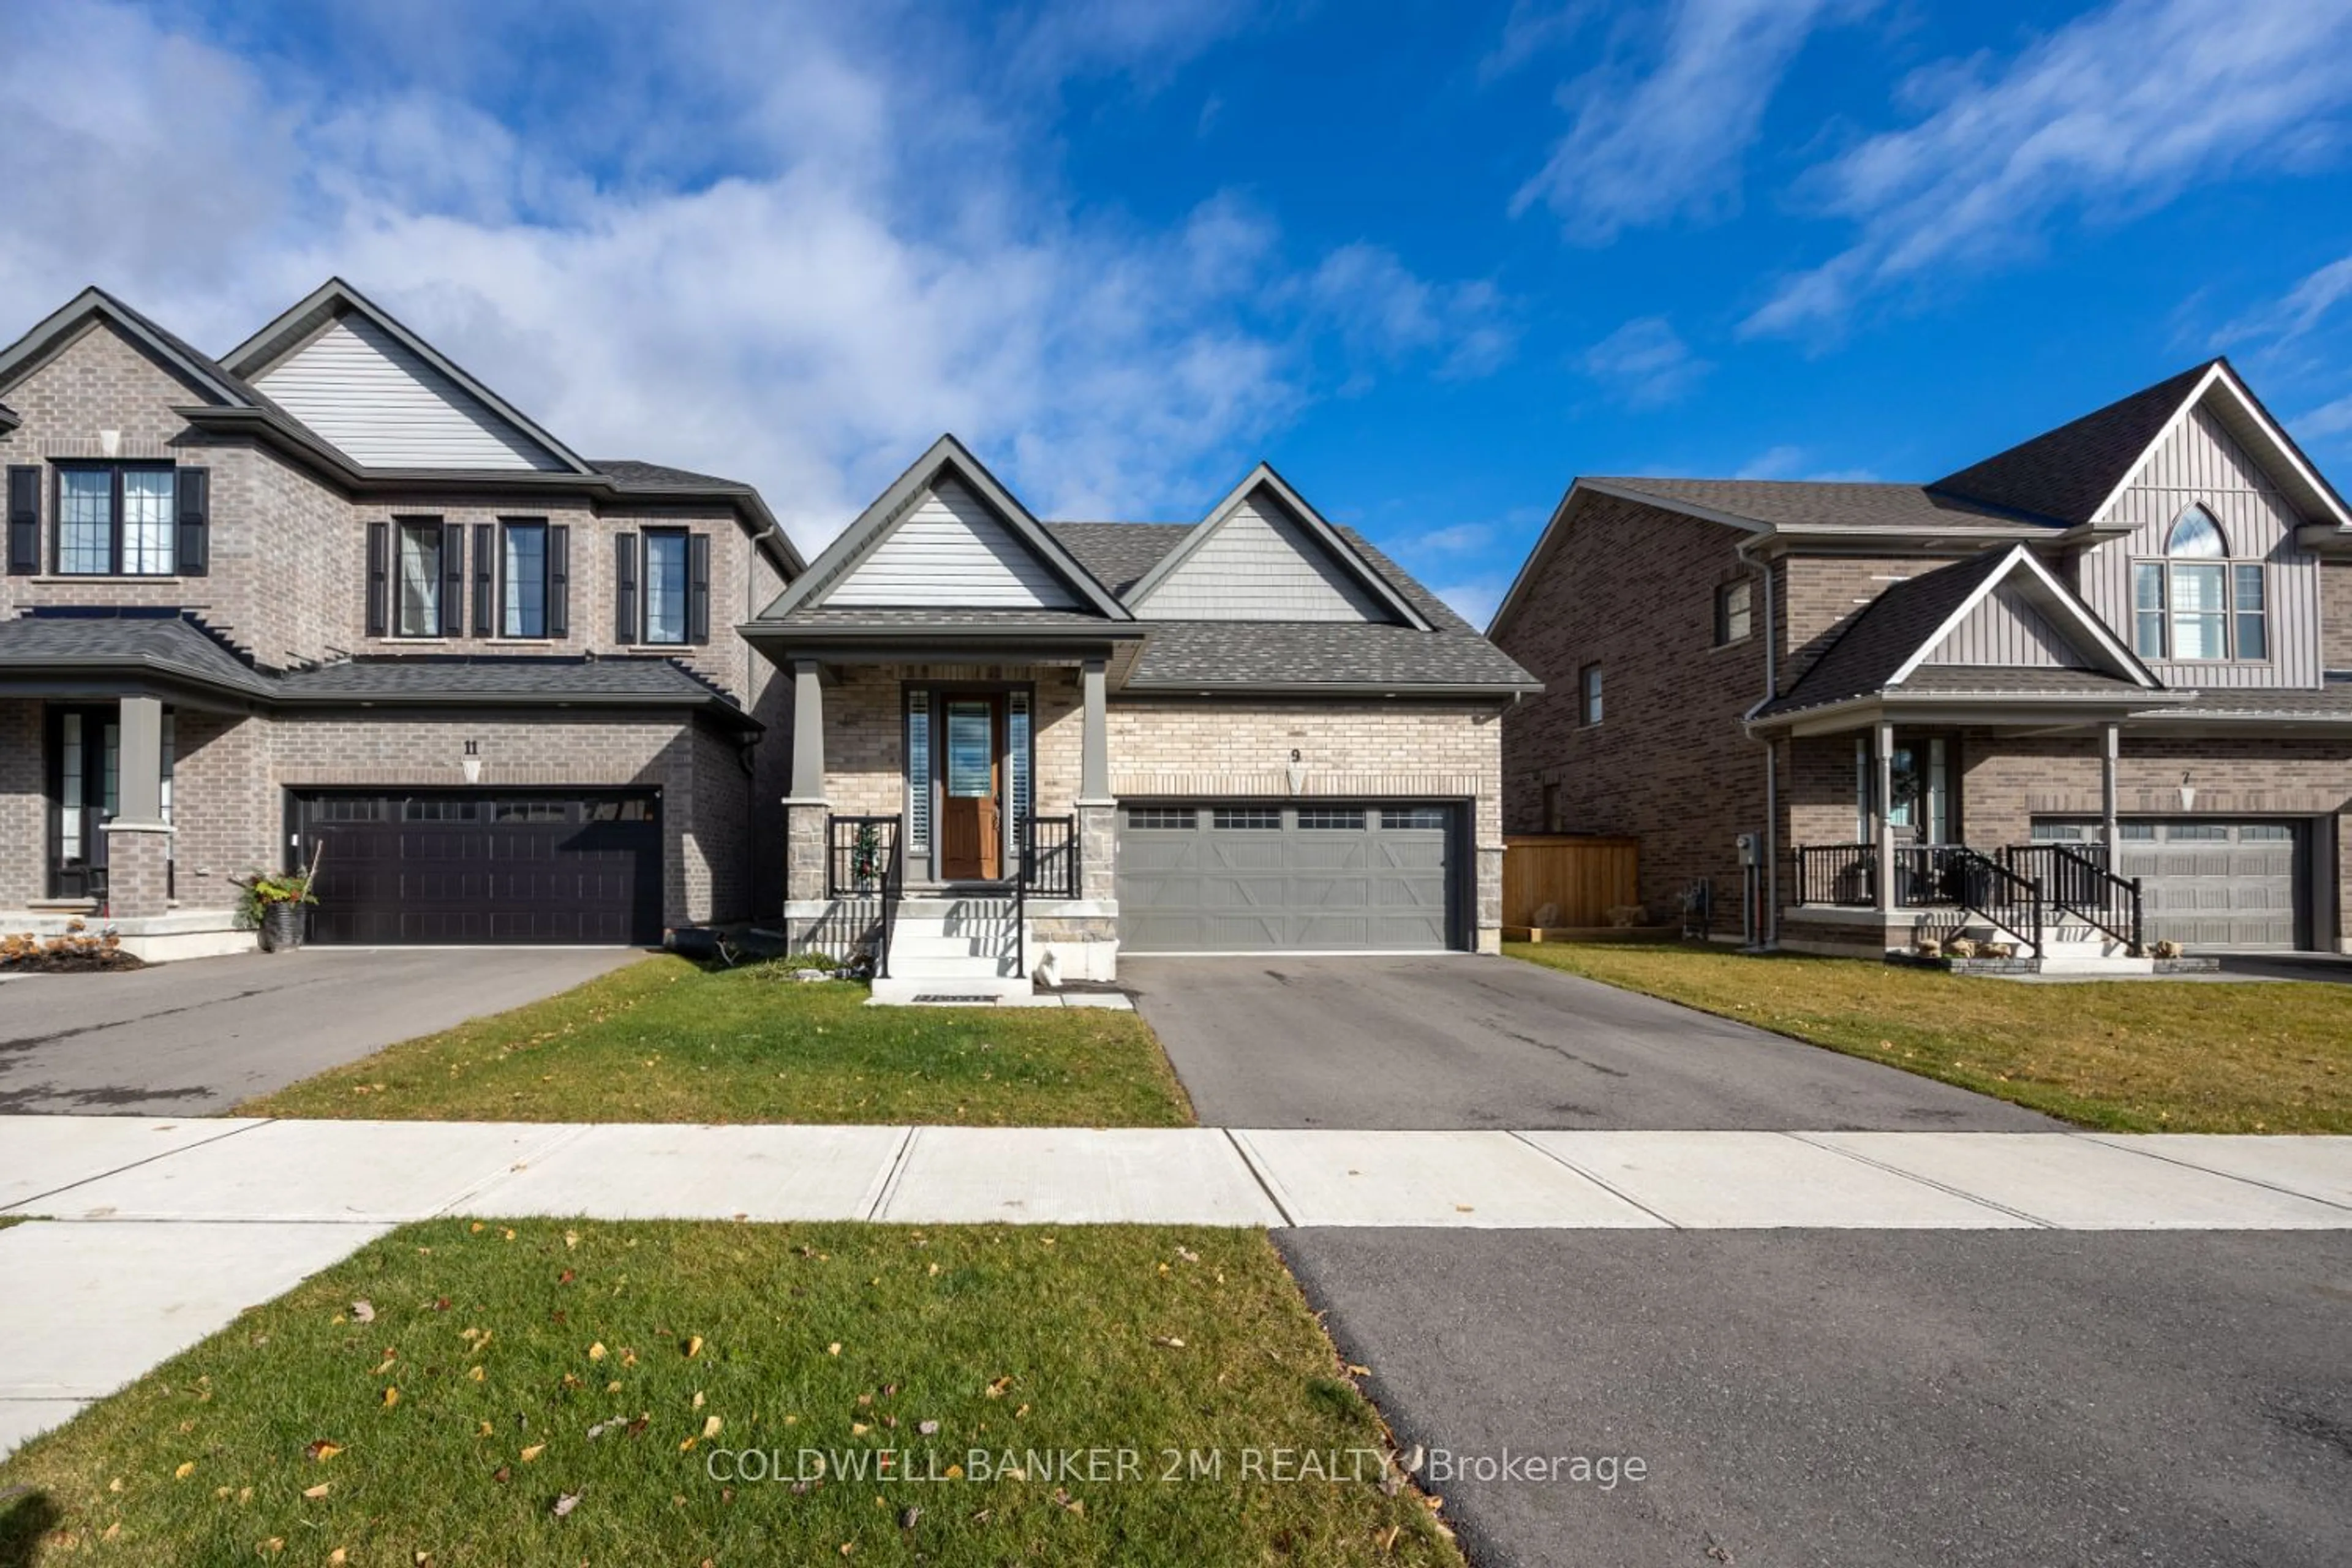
<point x="2116" y="657"/>
<point x="1016" y="741"/>
<point x="329" y="592"/>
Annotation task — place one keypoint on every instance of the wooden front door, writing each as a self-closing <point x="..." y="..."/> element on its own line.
<point x="972" y="836"/>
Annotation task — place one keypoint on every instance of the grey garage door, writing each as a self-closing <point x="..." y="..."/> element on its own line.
<point x="1201" y="878"/>
<point x="2213" y="883"/>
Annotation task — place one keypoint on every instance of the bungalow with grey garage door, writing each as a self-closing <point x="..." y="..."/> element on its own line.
<point x="1017" y="742"/>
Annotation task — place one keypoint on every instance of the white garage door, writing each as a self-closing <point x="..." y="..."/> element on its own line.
<point x="2213" y="883"/>
<point x="1199" y="878"/>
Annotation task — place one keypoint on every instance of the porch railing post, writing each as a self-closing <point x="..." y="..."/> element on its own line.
<point x="1884" y="817"/>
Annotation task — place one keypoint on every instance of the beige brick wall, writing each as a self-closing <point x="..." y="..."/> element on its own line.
<point x="865" y="730"/>
<point x="24" y="812"/>
<point x="287" y="581"/>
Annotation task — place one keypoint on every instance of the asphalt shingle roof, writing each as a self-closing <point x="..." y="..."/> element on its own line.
<point x="1119" y="554"/>
<point x="1807" y="503"/>
<point x="635" y="475"/>
<point x="165" y="642"/>
<point x="2017" y="681"/>
<point x="1888" y="631"/>
<point x="2067" y="472"/>
<point x="435" y="676"/>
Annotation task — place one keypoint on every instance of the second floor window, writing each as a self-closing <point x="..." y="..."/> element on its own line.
<point x="1735" y="607"/>
<point x="524" y="572"/>
<point x="1589" y="693"/>
<point x="666" y="586"/>
<point x="115" y="520"/>
<point x="2196" y="602"/>
<point x="420" y="580"/>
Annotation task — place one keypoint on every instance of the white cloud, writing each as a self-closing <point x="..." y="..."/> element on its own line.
<point x="1792" y="462"/>
<point x="1646" y="362"/>
<point x="1652" y="146"/>
<point x="784" y="276"/>
<point x="2302" y="309"/>
<point x="2325" y="422"/>
<point x="1531" y="28"/>
<point x="2114" y="114"/>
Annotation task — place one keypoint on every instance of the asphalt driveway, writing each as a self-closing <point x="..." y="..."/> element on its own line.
<point x="1457" y="1041"/>
<point x="1825" y="1398"/>
<point x="196" y="1038"/>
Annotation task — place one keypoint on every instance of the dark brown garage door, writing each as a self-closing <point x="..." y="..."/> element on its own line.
<point x="483" y="867"/>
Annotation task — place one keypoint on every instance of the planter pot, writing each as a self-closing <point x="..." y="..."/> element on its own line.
<point x="281" y="928"/>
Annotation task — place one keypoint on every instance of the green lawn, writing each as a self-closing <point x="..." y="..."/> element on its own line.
<point x="505" y="1370"/>
<point x="662" y="1040"/>
<point x="2127" y="1056"/>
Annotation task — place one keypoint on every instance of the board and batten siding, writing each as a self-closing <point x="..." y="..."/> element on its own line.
<point x="950" y="549"/>
<point x="2007" y="629"/>
<point x="383" y="405"/>
<point x="1261" y="564"/>
<point x="2201" y="462"/>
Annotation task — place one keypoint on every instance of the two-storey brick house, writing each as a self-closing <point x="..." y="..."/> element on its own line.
<point x="2118" y="652"/>
<point x="329" y="592"/>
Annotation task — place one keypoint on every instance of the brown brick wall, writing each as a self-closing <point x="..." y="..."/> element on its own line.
<point x="1632" y="588"/>
<point x="2336" y="615"/>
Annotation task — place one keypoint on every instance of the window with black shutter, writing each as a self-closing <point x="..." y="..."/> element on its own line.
<point x="698" y="602"/>
<point x="559" y="581"/>
<point x="624" y="589"/>
<point x="453" y="584"/>
<point x="379" y="586"/>
<point x="486" y="579"/>
<point x="24" y="520"/>
<point x="195" y="495"/>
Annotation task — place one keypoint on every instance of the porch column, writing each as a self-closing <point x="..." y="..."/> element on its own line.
<point x="1098" y="811"/>
<point x="2110" y="749"/>
<point x="139" y="841"/>
<point x="806" y="808"/>
<point x="1883" y="812"/>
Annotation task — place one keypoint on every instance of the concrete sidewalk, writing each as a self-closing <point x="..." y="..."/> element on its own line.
<point x="381" y="1172"/>
<point x="171" y="1227"/>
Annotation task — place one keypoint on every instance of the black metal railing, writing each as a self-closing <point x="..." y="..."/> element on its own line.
<point x="864" y="864"/>
<point x="2077" y="882"/>
<point x="1843" y="874"/>
<point x="1049" y="863"/>
<point x="1049" y="855"/>
<point x="1953" y="876"/>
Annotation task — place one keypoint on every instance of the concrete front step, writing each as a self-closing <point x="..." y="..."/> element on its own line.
<point x="905" y="990"/>
<point x="931" y="944"/>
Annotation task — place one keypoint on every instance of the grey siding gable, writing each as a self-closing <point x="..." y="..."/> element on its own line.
<point x="1261" y="564"/>
<point x="2200" y="462"/>
<point x="950" y="549"/>
<point x="384" y="407"/>
<point x="2007" y="629"/>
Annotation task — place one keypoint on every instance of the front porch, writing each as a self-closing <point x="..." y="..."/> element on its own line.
<point x="954" y="822"/>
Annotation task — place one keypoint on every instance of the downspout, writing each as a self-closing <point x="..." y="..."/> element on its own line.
<point x="1771" y="932"/>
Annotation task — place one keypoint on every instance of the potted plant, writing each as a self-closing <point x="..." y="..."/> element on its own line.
<point x="273" y="905"/>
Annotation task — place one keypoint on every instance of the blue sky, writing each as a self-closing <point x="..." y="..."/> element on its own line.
<point x="1431" y="259"/>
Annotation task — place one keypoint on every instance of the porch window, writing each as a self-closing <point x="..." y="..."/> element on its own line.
<point x="1922" y="806"/>
<point x="665" y="587"/>
<point x="2196" y="602"/>
<point x="1016" y="746"/>
<point x="1588" y="690"/>
<point x="524" y="572"/>
<point x="918" y="772"/>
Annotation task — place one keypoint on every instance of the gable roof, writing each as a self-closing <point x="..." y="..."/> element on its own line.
<point x="1886" y="646"/>
<point x="2068" y="473"/>
<point x="947" y="457"/>
<point x="166" y="642"/>
<point x="205" y="375"/>
<point x="1338" y="551"/>
<point x="335" y="299"/>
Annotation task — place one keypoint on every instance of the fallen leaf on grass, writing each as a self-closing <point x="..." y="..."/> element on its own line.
<point x="363" y="1311"/>
<point x="1076" y="1505"/>
<point x="694" y="1347"/>
<point x="391" y="1398"/>
<point x="565" y="1504"/>
<point x="711" y="1427"/>
<point x="184" y="1472"/>
<point x="834" y="1349"/>
<point x="318" y="1491"/>
<point x="597" y="1351"/>
<point x="996" y="1390"/>
<point x="928" y="1429"/>
<point x="533" y="1452"/>
<point x="322" y="1451"/>
<point x="503" y="1475"/>
<point x="1167" y="1341"/>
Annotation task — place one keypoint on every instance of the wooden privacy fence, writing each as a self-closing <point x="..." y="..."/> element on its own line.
<point x="1586" y="876"/>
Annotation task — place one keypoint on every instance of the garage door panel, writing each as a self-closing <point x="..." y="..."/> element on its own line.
<point x="2218" y="883"/>
<point x="510" y="867"/>
<point x="1276" y="878"/>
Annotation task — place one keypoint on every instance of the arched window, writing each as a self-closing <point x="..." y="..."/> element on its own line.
<point x="2194" y="533"/>
<point x="2197" y="603"/>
